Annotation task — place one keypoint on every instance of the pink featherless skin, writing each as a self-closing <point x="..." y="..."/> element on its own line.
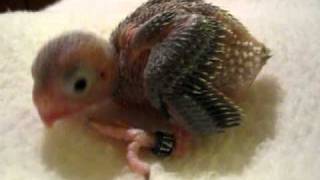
<point x="170" y="73"/>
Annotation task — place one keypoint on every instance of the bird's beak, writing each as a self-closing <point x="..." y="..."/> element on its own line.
<point x="49" y="118"/>
<point x="49" y="111"/>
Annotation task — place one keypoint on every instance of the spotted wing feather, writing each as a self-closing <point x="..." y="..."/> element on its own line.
<point x="204" y="109"/>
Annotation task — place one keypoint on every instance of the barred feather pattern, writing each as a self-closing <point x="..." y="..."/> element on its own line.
<point x="238" y="55"/>
<point x="198" y="66"/>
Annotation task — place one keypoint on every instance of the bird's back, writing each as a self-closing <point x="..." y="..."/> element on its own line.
<point x="237" y="57"/>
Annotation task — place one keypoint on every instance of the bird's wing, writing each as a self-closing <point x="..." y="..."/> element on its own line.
<point x="172" y="75"/>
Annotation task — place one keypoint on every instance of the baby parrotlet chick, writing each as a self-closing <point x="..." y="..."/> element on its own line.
<point x="169" y="72"/>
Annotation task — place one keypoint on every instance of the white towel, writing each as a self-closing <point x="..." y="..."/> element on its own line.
<point x="279" y="139"/>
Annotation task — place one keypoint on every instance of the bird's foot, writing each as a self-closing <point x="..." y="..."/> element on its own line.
<point x="136" y="139"/>
<point x="139" y="139"/>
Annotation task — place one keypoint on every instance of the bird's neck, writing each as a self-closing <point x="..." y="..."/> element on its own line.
<point x="130" y="85"/>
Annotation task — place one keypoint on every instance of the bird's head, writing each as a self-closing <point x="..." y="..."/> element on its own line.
<point x="71" y="73"/>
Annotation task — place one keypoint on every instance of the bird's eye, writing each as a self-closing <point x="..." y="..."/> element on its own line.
<point x="79" y="82"/>
<point x="80" y="85"/>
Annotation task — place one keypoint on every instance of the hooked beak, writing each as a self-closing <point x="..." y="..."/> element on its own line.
<point x="49" y="111"/>
<point x="49" y="118"/>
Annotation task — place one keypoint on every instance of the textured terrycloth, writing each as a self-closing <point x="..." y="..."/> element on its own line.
<point x="280" y="138"/>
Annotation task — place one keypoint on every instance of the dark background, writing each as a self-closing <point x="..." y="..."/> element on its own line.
<point x="30" y="5"/>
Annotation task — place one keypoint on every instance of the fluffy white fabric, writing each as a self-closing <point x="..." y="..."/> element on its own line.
<point x="278" y="140"/>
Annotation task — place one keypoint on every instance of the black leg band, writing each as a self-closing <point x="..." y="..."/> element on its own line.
<point x="164" y="145"/>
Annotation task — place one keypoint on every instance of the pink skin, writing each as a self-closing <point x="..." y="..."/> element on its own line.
<point x="135" y="138"/>
<point x="138" y="134"/>
<point x="183" y="141"/>
<point x="123" y="121"/>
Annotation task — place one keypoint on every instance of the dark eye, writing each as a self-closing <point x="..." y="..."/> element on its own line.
<point x="80" y="85"/>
